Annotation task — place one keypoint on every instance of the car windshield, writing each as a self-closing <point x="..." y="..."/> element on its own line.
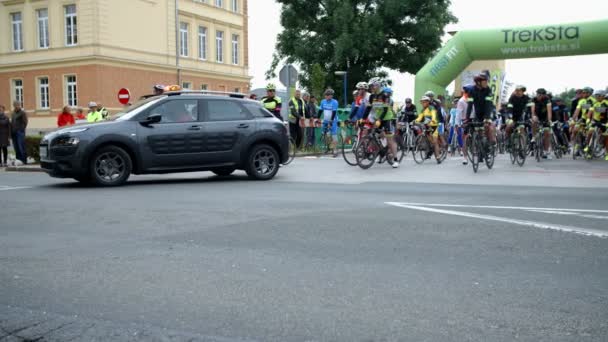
<point x="130" y="111"/>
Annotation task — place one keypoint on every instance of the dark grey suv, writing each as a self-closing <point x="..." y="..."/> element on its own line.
<point x="175" y="132"/>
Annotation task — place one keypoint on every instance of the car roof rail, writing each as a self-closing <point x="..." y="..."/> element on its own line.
<point x="206" y="92"/>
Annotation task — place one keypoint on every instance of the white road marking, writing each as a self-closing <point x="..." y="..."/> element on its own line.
<point x="505" y="207"/>
<point x="569" y="213"/>
<point x="7" y="188"/>
<point x="540" y="225"/>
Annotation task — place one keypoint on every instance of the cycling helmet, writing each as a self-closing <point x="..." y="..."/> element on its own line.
<point x="408" y="100"/>
<point x="271" y="86"/>
<point x="480" y="77"/>
<point x="557" y="99"/>
<point x="362" y="85"/>
<point x="541" y="91"/>
<point x="376" y="82"/>
<point x="588" y="90"/>
<point x="329" y="91"/>
<point x="425" y="98"/>
<point x="429" y="94"/>
<point x="159" y="87"/>
<point x="600" y="93"/>
<point x="521" y="87"/>
<point x="387" y="90"/>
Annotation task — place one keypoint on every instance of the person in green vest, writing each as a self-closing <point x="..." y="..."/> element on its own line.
<point x="297" y="106"/>
<point x="103" y="111"/>
<point x="272" y="102"/>
<point x="94" y="115"/>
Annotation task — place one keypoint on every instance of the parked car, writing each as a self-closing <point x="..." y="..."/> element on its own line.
<point x="173" y="132"/>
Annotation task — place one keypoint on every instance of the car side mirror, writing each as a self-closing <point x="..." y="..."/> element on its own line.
<point x="152" y="119"/>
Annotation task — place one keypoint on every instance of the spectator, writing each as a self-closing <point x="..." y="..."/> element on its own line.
<point x="94" y="115"/>
<point x="311" y="113"/>
<point x="253" y="97"/>
<point x="18" y="127"/>
<point x="65" y="118"/>
<point x="296" y="112"/>
<point x="80" y="114"/>
<point x="103" y="111"/>
<point x="5" y="133"/>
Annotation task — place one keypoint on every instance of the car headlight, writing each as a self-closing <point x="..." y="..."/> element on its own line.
<point x="66" y="141"/>
<point x="74" y="130"/>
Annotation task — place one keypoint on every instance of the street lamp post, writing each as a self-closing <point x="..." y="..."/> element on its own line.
<point x="345" y="74"/>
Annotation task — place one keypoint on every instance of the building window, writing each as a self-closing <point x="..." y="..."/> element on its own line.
<point x="204" y="87"/>
<point x="235" y="49"/>
<point x="43" y="28"/>
<point x="71" y="91"/>
<point x="71" y="25"/>
<point x="17" y="25"/>
<point x="43" y="93"/>
<point x="219" y="3"/>
<point x="18" y="90"/>
<point x="183" y="39"/>
<point x="237" y="90"/>
<point x="202" y="42"/>
<point x="219" y="46"/>
<point x="235" y="6"/>
<point x="186" y="85"/>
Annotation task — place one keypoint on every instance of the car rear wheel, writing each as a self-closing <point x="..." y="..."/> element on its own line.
<point x="110" y="166"/>
<point x="223" y="171"/>
<point x="262" y="163"/>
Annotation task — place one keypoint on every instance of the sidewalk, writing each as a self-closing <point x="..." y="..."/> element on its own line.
<point x="22" y="168"/>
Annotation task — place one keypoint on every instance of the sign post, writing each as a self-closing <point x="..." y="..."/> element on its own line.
<point x="124" y="96"/>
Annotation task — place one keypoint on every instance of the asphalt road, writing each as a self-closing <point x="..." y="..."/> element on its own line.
<point x="324" y="252"/>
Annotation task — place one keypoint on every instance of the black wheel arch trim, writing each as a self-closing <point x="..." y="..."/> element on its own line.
<point x="121" y="141"/>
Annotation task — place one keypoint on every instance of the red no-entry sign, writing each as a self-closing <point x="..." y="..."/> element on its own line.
<point x="124" y="96"/>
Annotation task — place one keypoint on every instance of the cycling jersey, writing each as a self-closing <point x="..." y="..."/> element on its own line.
<point x="584" y="105"/>
<point x="480" y="99"/>
<point x="560" y="113"/>
<point x="429" y="114"/>
<point x="540" y="107"/>
<point x="409" y="113"/>
<point x="382" y="107"/>
<point x="273" y="104"/>
<point x="600" y="111"/>
<point x="328" y="109"/>
<point x="517" y="107"/>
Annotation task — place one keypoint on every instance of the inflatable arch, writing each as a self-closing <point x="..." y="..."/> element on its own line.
<point x="509" y="43"/>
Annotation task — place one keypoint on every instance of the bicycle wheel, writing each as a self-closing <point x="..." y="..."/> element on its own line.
<point x="401" y="147"/>
<point x="598" y="146"/>
<point x="421" y="149"/>
<point x="522" y="144"/>
<point x="556" y="147"/>
<point x="443" y="151"/>
<point x="501" y="142"/>
<point x="292" y="151"/>
<point x="367" y="152"/>
<point x="513" y="150"/>
<point x="474" y="152"/>
<point x="348" y="145"/>
<point x="538" y="146"/>
<point x="489" y="156"/>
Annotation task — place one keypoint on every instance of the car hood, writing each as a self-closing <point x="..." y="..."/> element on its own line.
<point x="76" y="129"/>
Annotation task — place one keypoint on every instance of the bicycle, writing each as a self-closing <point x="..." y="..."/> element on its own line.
<point x="578" y="142"/>
<point x="292" y="146"/>
<point x="556" y="146"/>
<point x="371" y="147"/>
<point x="479" y="149"/>
<point x="350" y="139"/>
<point x="596" y="144"/>
<point x="518" y="144"/>
<point x="407" y="137"/>
<point x="540" y="142"/>
<point x="501" y="139"/>
<point x="424" y="148"/>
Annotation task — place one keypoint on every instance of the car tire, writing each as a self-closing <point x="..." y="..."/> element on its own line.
<point x="223" y="171"/>
<point x="110" y="166"/>
<point x="262" y="163"/>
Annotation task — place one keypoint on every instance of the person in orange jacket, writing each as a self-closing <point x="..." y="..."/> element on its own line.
<point x="65" y="118"/>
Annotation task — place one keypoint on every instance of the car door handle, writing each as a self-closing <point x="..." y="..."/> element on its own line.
<point x="194" y="128"/>
<point x="243" y="126"/>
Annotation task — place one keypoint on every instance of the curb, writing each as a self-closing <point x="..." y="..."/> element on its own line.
<point x="23" y="169"/>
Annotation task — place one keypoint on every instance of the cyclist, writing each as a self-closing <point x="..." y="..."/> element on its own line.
<point x="158" y="89"/>
<point x="580" y="117"/>
<point x="360" y="102"/>
<point x="385" y="119"/>
<point x="599" y="118"/>
<point x="577" y="97"/>
<point x="272" y="102"/>
<point x="560" y="119"/>
<point x="429" y="116"/>
<point x="480" y="98"/>
<point x="455" y="123"/>
<point x="542" y="114"/>
<point x="519" y="102"/>
<point x="461" y="108"/>
<point x="328" y="111"/>
<point x="408" y="112"/>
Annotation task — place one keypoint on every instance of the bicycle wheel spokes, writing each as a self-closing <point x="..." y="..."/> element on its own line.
<point x="420" y="149"/>
<point x="348" y="145"/>
<point x="366" y="153"/>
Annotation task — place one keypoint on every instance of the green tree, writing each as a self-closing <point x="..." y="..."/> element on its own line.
<point x="568" y="96"/>
<point x="317" y="80"/>
<point x="360" y="36"/>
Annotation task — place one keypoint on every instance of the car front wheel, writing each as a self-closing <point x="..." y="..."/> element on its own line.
<point x="110" y="166"/>
<point x="262" y="163"/>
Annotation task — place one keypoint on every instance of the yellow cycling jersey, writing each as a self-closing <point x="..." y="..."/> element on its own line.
<point x="584" y="105"/>
<point x="600" y="110"/>
<point x="428" y="114"/>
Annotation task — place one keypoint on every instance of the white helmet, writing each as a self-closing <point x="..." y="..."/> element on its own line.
<point x="425" y="98"/>
<point x="600" y="93"/>
<point x="362" y="85"/>
<point x="429" y="93"/>
<point x="92" y="104"/>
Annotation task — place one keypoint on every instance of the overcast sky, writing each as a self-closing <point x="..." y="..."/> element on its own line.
<point x="555" y="73"/>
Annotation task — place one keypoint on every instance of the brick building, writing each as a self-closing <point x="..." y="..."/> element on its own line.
<point x="69" y="52"/>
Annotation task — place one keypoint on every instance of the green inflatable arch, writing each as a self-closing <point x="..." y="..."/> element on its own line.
<point x="509" y="43"/>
